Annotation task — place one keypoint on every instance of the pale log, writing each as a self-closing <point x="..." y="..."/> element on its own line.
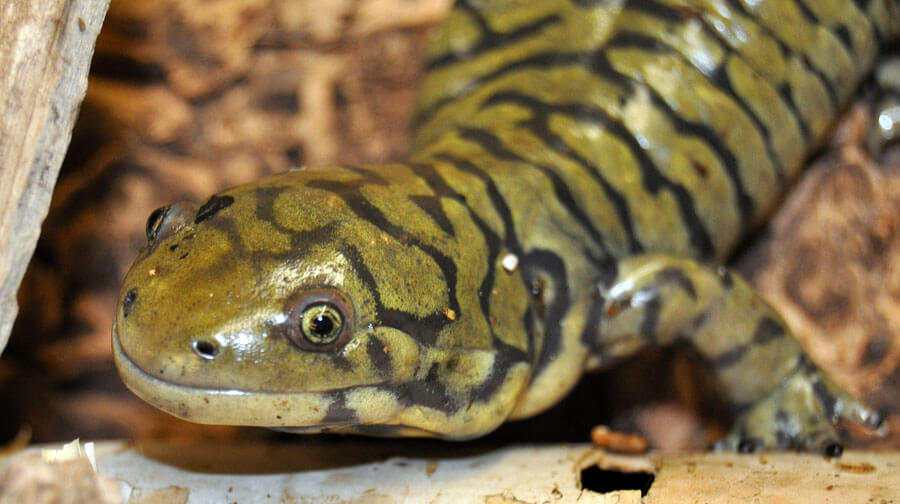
<point x="45" y="53"/>
<point x="415" y="471"/>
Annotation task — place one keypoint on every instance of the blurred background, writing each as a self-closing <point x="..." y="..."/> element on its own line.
<point x="188" y="97"/>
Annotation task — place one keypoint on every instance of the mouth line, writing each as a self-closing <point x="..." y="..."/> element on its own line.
<point x="123" y="360"/>
<point x="218" y="406"/>
<point x="127" y="366"/>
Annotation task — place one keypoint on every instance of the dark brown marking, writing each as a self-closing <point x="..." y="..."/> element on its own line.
<point x="423" y="329"/>
<point x="379" y="355"/>
<point x="653" y="180"/>
<point x="429" y="392"/>
<point x="826" y="399"/>
<point x="489" y="38"/>
<point x="364" y="209"/>
<point x="564" y="194"/>
<point x="678" y="277"/>
<point x="537" y="294"/>
<point x="434" y="208"/>
<point x="338" y="413"/>
<point x="768" y="329"/>
<point x="213" y="206"/>
<point x="542" y="263"/>
<point x="652" y="308"/>
<point x="539" y="125"/>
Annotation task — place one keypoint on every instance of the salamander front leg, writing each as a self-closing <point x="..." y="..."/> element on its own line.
<point x="781" y="399"/>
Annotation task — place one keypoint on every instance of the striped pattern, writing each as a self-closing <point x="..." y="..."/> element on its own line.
<point x="577" y="165"/>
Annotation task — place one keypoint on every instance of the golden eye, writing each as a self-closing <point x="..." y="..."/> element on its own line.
<point x="321" y="323"/>
<point x="319" y="320"/>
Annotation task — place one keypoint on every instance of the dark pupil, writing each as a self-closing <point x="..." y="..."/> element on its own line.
<point x="322" y="325"/>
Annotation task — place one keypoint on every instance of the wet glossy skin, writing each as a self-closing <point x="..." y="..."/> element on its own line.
<point x="578" y="172"/>
<point x="249" y="313"/>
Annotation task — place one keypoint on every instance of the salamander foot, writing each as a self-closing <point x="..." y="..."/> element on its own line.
<point x="804" y="414"/>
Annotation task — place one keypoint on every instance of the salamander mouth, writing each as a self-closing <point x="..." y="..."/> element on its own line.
<point x="307" y="410"/>
<point x="383" y="431"/>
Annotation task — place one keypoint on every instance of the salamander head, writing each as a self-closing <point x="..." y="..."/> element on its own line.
<point x="292" y="303"/>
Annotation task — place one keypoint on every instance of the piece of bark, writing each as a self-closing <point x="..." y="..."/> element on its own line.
<point x="45" y="53"/>
<point x="32" y="479"/>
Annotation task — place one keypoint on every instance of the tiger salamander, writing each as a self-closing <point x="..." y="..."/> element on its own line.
<point x="580" y="170"/>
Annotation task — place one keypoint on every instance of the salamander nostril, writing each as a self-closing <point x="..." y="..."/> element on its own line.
<point x="128" y="302"/>
<point x="205" y="349"/>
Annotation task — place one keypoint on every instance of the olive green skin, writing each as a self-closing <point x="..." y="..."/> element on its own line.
<point x="231" y="279"/>
<point x="579" y="169"/>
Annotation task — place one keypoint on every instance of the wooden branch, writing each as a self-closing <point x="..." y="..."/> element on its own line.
<point x="45" y="53"/>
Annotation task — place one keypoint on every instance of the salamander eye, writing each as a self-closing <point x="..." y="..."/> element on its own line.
<point x="154" y="222"/>
<point x="167" y="220"/>
<point x="321" y="323"/>
<point x="317" y="321"/>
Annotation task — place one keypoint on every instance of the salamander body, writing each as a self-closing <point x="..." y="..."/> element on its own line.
<point x="580" y="170"/>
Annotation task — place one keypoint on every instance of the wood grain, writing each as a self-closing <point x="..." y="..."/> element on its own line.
<point x="409" y="471"/>
<point x="45" y="53"/>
